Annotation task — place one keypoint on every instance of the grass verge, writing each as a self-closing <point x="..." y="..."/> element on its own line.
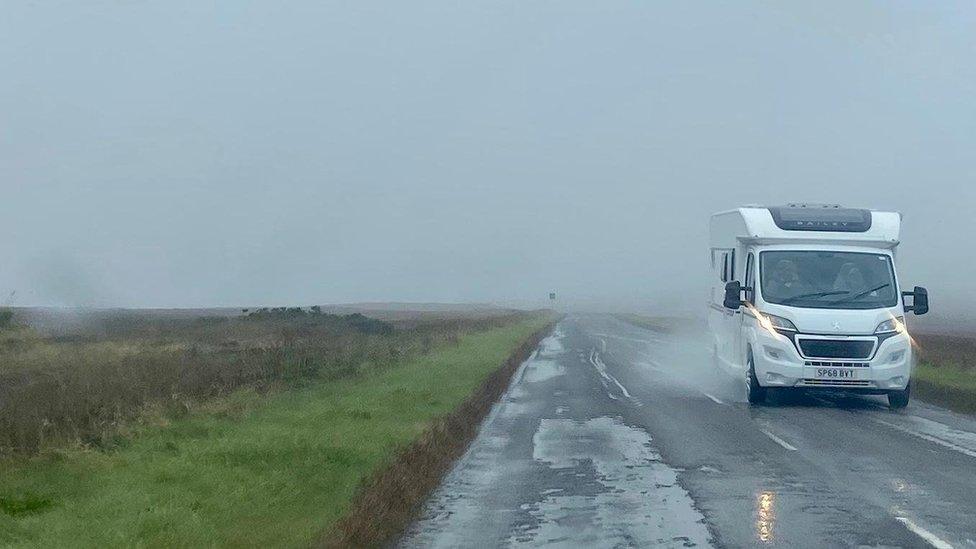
<point x="89" y="383"/>
<point x="387" y="502"/>
<point x="946" y="374"/>
<point x="246" y="470"/>
<point x="951" y="386"/>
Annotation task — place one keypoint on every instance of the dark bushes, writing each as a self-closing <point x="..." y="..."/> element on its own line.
<point x="356" y="321"/>
<point x="6" y="318"/>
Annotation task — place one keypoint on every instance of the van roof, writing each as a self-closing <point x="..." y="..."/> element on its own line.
<point x="810" y="223"/>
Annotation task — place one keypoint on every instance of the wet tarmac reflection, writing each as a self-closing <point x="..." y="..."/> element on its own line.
<point x="765" y="515"/>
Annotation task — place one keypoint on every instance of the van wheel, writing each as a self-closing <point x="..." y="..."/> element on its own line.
<point x="756" y="392"/>
<point x="899" y="399"/>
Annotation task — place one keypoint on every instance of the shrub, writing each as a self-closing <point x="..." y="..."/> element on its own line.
<point x="6" y="318"/>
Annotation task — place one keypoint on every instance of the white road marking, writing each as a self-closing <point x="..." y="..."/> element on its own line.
<point x="601" y="368"/>
<point x="929" y="537"/>
<point x="714" y="399"/>
<point x="930" y="438"/>
<point x="778" y="440"/>
<point x="606" y="387"/>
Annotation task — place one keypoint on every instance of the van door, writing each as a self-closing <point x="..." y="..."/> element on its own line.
<point x="743" y="319"/>
<point x="714" y="312"/>
<point x="730" y="320"/>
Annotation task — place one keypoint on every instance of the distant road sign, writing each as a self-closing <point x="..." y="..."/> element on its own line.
<point x="552" y="296"/>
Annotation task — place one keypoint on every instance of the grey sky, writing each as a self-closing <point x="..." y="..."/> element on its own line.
<point x="220" y="153"/>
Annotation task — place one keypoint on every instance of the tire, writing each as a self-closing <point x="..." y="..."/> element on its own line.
<point x="899" y="399"/>
<point x="756" y="392"/>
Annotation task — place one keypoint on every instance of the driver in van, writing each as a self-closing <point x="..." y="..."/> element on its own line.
<point x="850" y="279"/>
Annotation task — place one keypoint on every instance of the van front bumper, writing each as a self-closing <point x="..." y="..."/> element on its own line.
<point x="778" y="364"/>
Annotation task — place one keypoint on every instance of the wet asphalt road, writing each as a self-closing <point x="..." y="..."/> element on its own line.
<point x="613" y="435"/>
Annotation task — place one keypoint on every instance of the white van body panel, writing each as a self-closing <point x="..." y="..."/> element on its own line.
<point x="755" y="225"/>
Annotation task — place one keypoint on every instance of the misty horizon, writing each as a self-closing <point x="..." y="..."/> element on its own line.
<point x="185" y="156"/>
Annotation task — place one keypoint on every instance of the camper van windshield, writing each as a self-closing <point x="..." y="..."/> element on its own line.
<point x="830" y="280"/>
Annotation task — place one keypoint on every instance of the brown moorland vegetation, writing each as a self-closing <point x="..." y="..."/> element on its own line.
<point x="84" y="385"/>
<point x="950" y="350"/>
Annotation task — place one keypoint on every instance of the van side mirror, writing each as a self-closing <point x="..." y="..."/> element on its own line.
<point x="920" y="301"/>
<point x="733" y="295"/>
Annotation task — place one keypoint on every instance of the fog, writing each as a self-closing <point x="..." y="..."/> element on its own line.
<point x="197" y="154"/>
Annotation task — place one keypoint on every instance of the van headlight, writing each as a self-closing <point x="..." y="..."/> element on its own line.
<point x="892" y="325"/>
<point x="773" y="323"/>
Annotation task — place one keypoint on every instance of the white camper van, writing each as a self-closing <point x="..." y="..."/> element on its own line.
<point x="807" y="296"/>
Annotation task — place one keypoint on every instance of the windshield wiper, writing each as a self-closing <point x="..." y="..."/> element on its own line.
<point x="860" y="295"/>
<point x="812" y="294"/>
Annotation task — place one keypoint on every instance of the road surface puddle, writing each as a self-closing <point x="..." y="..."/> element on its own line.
<point x="540" y="370"/>
<point x="623" y="494"/>
<point x="552" y="345"/>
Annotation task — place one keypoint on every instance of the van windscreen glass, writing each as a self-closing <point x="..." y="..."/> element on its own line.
<point x="828" y="280"/>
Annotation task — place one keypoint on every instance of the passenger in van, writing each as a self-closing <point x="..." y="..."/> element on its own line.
<point x="785" y="280"/>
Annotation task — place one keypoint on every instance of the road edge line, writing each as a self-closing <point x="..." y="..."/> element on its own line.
<point x="929" y="537"/>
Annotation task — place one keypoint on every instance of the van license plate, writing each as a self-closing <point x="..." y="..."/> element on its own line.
<point x="835" y="373"/>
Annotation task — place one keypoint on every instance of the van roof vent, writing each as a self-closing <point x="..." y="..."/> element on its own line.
<point x="821" y="217"/>
<point x="812" y="205"/>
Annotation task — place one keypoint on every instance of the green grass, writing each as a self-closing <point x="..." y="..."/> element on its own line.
<point x="947" y="385"/>
<point x="948" y="375"/>
<point x="248" y="470"/>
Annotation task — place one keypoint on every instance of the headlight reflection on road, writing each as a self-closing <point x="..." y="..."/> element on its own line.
<point x="765" y="515"/>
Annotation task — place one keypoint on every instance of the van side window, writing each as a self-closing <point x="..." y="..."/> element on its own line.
<point x="750" y="278"/>
<point x="723" y="263"/>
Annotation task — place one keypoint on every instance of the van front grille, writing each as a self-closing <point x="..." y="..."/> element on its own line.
<point x="824" y="364"/>
<point x="836" y="348"/>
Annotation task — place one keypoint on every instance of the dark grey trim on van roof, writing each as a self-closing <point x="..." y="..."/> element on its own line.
<point x="821" y="217"/>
